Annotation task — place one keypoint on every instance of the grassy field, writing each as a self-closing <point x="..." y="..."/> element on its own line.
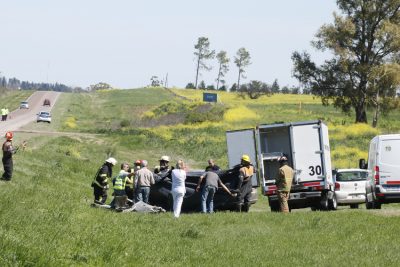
<point x="45" y="213"/>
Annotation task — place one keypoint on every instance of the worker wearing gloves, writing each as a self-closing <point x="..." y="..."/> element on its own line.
<point x="243" y="184"/>
<point x="284" y="183"/>
<point x="100" y="182"/>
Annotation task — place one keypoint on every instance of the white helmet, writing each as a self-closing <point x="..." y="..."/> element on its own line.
<point x="165" y="158"/>
<point x="112" y="161"/>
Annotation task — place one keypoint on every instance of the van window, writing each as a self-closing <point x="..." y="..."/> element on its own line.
<point x="389" y="151"/>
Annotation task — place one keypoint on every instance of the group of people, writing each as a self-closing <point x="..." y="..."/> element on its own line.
<point x="4" y="114"/>
<point x="132" y="185"/>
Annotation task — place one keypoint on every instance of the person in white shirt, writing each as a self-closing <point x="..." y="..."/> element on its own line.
<point x="178" y="187"/>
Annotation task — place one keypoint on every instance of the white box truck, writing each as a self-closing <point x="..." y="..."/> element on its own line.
<point x="383" y="183"/>
<point x="306" y="144"/>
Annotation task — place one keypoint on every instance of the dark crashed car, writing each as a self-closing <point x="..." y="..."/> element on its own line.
<point x="160" y="193"/>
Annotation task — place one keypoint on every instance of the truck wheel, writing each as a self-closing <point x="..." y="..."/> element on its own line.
<point x="354" y="206"/>
<point x="324" y="202"/>
<point x="369" y="205"/>
<point x="332" y="203"/>
<point x="274" y="205"/>
<point x="377" y="205"/>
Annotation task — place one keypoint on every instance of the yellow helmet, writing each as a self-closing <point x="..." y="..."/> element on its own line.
<point x="245" y="158"/>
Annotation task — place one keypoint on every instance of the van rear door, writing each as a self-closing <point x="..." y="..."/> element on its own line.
<point x="308" y="154"/>
<point x="242" y="142"/>
<point x="389" y="163"/>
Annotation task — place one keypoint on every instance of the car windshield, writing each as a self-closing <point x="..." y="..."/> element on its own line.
<point x="24" y="102"/>
<point x="351" y="176"/>
<point x="44" y="114"/>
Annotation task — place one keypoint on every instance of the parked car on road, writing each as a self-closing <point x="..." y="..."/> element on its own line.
<point x="24" y="104"/>
<point x="44" y="116"/>
<point x="46" y="102"/>
<point x="350" y="186"/>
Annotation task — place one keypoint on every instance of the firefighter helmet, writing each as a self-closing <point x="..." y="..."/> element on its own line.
<point x="112" y="161"/>
<point x="246" y="158"/>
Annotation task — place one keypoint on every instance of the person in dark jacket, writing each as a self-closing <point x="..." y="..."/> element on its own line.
<point x="243" y="185"/>
<point x="8" y="150"/>
<point x="100" y="183"/>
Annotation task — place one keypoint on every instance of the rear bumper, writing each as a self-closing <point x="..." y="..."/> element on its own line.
<point x="345" y="198"/>
<point x="386" y="196"/>
<point x="301" y="199"/>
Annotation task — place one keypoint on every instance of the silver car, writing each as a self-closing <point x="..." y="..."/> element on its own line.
<point x="44" y="116"/>
<point x="350" y="186"/>
<point x="24" y="104"/>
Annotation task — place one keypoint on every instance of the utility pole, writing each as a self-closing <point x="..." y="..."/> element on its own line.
<point x="166" y="81"/>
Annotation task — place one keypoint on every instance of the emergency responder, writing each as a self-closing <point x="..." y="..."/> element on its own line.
<point x="6" y="113"/>
<point x="243" y="184"/>
<point x="284" y="183"/>
<point x="100" y="183"/>
<point x="8" y="151"/>
<point x="3" y="114"/>
<point x="119" y="183"/>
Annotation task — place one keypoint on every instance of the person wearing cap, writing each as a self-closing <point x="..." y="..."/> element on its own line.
<point x="243" y="184"/>
<point x="100" y="182"/>
<point x="8" y="151"/>
<point x="164" y="165"/>
<point x="212" y="166"/>
<point x="284" y="183"/>
<point x="145" y="179"/>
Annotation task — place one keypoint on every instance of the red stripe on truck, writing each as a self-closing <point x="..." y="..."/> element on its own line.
<point x="312" y="184"/>
<point x="393" y="182"/>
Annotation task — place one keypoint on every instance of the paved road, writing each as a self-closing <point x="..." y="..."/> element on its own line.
<point x="21" y="117"/>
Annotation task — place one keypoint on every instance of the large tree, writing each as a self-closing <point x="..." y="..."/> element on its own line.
<point x="364" y="72"/>
<point x="223" y="61"/>
<point x="202" y="54"/>
<point x="242" y="60"/>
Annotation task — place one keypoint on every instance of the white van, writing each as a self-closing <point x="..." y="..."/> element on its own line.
<point x="383" y="184"/>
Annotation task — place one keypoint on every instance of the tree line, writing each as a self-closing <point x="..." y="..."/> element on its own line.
<point x="16" y="84"/>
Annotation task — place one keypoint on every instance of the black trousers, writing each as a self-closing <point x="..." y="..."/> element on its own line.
<point x="8" y="169"/>
<point x="100" y="194"/>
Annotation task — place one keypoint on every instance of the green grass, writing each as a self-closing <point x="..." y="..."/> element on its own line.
<point x="12" y="98"/>
<point x="46" y="219"/>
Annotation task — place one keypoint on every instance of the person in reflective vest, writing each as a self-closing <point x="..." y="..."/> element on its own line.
<point x="244" y="184"/>
<point x="119" y="184"/>
<point x="100" y="183"/>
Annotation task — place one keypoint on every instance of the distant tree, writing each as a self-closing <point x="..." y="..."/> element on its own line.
<point x="222" y="88"/>
<point x="365" y="43"/>
<point x="233" y="88"/>
<point x="242" y="60"/>
<point x="155" y="82"/>
<point x="190" y="86"/>
<point x="202" y="54"/>
<point x="223" y="61"/>
<point x="210" y="87"/>
<point x="275" y="87"/>
<point x="285" y="90"/>
<point x="100" y="86"/>
<point x="255" y="89"/>
<point x="294" y="90"/>
<point x="202" y="85"/>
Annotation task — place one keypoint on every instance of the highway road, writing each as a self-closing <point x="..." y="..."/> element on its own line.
<point x="21" y="117"/>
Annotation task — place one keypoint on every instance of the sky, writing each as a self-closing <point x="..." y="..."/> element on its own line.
<point x="125" y="42"/>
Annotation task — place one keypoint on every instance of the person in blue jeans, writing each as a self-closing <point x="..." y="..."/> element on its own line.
<point x="208" y="189"/>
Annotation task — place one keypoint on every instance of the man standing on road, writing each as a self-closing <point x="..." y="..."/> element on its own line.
<point x="145" y="179"/>
<point x="3" y="114"/>
<point x="8" y="151"/>
<point x="284" y="183"/>
<point x="100" y="183"/>
<point x="6" y="113"/>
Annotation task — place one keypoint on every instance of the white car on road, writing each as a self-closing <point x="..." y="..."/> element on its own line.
<point x="44" y="116"/>
<point x="350" y="186"/>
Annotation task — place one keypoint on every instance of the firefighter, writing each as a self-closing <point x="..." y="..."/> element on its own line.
<point x="243" y="184"/>
<point x="100" y="182"/>
<point x="284" y="183"/>
<point x="8" y="151"/>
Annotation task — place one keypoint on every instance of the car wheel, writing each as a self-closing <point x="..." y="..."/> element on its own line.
<point x="354" y="206"/>
<point x="368" y="205"/>
<point x="377" y="205"/>
<point x="332" y="203"/>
